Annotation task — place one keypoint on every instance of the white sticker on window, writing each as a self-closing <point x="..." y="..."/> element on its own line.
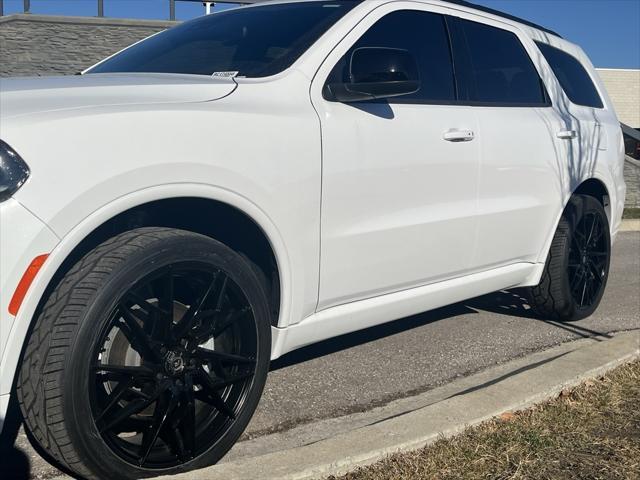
<point x="224" y="74"/>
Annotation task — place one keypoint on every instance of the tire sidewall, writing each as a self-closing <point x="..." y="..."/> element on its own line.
<point x="88" y="442"/>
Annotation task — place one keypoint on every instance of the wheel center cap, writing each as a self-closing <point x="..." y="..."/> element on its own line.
<point x="173" y="362"/>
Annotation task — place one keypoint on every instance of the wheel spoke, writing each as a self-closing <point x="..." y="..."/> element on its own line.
<point x="186" y="322"/>
<point x="593" y="225"/>
<point x="132" y="408"/>
<point x="115" y="396"/>
<point x="584" y="290"/>
<point x="166" y="301"/>
<point x="187" y="428"/>
<point x="173" y="437"/>
<point x="221" y="293"/>
<point x="209" y="394"/>
<point x="214" y="385"/>
<point x="596" y="273"/>
<point x="137" y="337"/>
<point x="575" y="283"/>
<point x="144" y="304"/>
<point x="214" y="355"/>
<point x="230" y="320"/>
<point x="126" y="371"/>
<point x="164" y="407"/>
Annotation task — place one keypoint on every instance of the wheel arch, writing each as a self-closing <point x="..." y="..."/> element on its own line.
<point x="595" y="187"/>
<point x="91" y="230"/>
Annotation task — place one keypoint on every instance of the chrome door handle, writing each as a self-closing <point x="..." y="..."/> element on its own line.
<point x="567" y="134"/>
<point x="458" y="135"/>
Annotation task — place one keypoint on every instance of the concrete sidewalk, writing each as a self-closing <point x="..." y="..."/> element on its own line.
<point x="336" y="446"/>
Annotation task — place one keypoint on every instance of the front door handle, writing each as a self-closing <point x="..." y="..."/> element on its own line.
<point x="458" y="135"/>
<point x="567" y="134"/>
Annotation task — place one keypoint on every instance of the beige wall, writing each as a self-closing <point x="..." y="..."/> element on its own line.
<point x="624" y="89"/>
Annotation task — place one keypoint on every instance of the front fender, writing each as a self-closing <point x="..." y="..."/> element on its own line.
<point x="21" y="324"/>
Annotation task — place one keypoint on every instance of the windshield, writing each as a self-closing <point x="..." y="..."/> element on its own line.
<point x="254" y="42"/>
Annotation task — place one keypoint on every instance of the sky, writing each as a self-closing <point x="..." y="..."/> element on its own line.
<point x="608" y="30"/>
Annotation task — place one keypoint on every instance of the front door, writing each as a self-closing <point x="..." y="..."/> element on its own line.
<point x="399" y="186"/>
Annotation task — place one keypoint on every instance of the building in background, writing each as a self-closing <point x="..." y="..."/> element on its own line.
<point x="623" y="86"/>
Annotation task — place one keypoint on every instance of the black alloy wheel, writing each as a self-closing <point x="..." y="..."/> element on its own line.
<point x="588" y="260"/>
<point x="148" y="358"/>
<point x="577" y="267"/>
<point x="173" y="366"/>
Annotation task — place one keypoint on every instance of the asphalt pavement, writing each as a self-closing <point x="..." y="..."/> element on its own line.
<point x="370" y="368"/>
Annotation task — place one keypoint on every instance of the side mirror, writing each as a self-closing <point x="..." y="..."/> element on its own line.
<point x="376" y="73"/>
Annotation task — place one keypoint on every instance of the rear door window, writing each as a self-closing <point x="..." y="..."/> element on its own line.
<point x="573" y="77"/>
<point x="501" y="71"/>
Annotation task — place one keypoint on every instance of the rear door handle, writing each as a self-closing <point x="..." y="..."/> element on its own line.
<point x="458" y="135"/>
<point x="567" y="134"/>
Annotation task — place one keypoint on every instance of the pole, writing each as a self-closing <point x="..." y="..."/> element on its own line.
<point x="172" y="9"/>
<point x="208" y="6"/>
<point x="1" y="8"/>
<point x="101" y="8"/>
<point x="27" y="6"/>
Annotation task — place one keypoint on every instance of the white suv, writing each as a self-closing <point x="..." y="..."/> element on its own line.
<point x="267" y="177"/>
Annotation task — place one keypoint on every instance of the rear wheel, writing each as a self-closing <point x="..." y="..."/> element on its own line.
<point x="577" y="267"/>
<point x="148" y="358"/>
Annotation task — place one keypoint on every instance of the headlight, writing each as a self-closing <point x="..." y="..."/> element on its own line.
<point x="13" y="171"/>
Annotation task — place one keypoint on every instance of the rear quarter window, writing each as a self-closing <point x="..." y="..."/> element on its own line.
<point x="573" y="77"/>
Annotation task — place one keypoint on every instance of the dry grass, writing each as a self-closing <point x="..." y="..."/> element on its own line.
<point x="631" y="213"/>
<point x="591" y="432"/>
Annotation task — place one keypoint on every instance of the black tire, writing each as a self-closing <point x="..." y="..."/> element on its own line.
<point x="577" y="267"/>
<point x="66" y="385"/>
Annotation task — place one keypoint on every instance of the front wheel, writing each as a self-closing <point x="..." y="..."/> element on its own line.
<point x="577" y="267"/>
<point x="148" y="358"/>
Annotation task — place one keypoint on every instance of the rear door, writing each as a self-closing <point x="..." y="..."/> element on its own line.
<point x="520" y="190"/>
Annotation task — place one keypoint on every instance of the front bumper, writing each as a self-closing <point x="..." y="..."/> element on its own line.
<point x="22" y="238"/>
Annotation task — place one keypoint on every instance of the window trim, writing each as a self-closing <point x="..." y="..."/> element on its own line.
<point x="586" y="70"/>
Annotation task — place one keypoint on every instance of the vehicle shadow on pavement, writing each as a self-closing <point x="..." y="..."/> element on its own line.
<point x="367" y="335"/>
<point x="15" y="463"/>
<point x="505" y="302"/>
<point x="514" y="303"/>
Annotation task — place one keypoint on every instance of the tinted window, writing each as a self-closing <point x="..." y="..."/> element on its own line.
<point x="501" y="70"/>
<point x="255" y="42"/>
<point x="572" y="76"/>
<point x="425" y="36"/>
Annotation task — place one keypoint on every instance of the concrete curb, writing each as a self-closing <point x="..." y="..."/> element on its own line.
<point x="630" y="225"/>
<point x="521" y="388"/>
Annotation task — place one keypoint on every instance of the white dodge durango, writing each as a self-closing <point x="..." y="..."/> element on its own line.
<point x="270" y="176"/>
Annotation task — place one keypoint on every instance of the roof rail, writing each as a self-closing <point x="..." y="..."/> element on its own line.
<point x="465" y="3"/>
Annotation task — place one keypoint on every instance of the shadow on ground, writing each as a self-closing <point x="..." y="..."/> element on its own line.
<point x="505" y="302"/>
<point x="15" y="463"/>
